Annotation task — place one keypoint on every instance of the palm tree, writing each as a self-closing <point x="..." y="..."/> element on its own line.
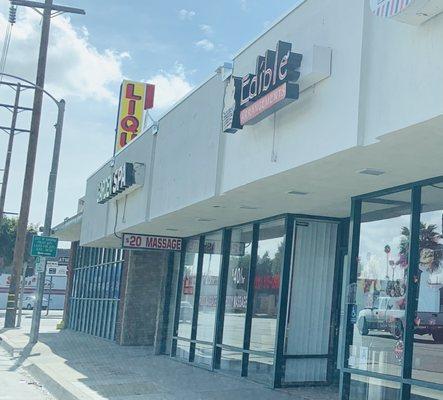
<point x="429" y="239"/>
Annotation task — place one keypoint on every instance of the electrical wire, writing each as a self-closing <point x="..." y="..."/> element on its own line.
<point x="116" y="220"/>
<point x="7" y="40"/>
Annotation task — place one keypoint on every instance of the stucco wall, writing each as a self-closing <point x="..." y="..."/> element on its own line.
<point x="325" y="118"/>
<point x="402" y="73"/>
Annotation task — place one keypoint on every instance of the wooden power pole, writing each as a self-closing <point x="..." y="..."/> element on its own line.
<point x="20" y="243"/>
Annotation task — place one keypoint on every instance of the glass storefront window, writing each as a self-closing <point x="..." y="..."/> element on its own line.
<point x="237" y="287"/>
<point x="188" y="288"/>
<point x="209" y="287"/>
<point x="266" y="291"/>
<point x="231" y="361"/>
<point x="378" y="306"/>
<point x="365" y="388"/>
<point x="421" y="393"/>
<point x="261" y="367"/>
<point x="428" y="330"/>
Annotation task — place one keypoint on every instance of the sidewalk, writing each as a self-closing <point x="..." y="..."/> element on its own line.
<point x="75" y="366"/>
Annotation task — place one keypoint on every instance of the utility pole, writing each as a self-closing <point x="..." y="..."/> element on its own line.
<point x="9" y="151"/>
<point x="20" y="242"/>
<point x="22" y="293"/>
<point x="36" y="314"/>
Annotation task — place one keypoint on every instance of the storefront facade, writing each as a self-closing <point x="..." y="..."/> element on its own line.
<point x="243" y="305"/>
<point x="394" y="331"/>
<point x="259" y="252"/>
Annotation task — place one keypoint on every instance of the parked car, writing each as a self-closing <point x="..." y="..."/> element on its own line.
<point x="29" y="301"/>
<point x="186" y="311"/>
<point x="388" y="316"/>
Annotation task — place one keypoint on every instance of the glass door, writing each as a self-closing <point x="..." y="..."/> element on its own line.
<point x="308" y="329"/>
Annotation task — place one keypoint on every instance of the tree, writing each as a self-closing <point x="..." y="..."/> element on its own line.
<point x="8" y="230"/>
<point x="429" y="239"/>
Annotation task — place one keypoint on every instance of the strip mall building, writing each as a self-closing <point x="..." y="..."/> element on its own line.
<point x="283" y="222"/>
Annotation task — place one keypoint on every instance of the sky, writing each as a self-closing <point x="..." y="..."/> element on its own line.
<point x="175" y="44"/>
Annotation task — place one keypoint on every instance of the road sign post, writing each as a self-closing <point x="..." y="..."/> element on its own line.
<point x="42" y="247"/>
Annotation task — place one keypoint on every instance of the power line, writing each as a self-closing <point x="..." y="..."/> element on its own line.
<point x="7" y="40"/>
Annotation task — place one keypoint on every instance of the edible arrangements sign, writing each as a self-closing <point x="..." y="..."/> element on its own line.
<point x="135" y="98"/>
<point x="254" y="97"/>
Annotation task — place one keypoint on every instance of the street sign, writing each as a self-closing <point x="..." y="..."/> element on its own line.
<point x="44" y="246"/>
<point x="53" y="268"/>
<point x="40" y="263"/>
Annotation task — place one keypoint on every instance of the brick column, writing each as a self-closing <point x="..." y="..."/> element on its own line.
<point x="142" y="303"/>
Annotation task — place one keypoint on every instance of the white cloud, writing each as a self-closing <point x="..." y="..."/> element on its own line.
<point x="244" y="5"/>
<point x="75" y="68"/>
<point x="170" y="87"/>
<point x="186" y="14"/>
<point x="207" y="29"/>
<point x="205" y="44"/>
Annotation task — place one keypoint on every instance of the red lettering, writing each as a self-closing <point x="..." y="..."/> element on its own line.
<point x="149" y="97"/>
<point x="123" y="139"/>
<point x="130" y="92"/>
<point x="131" y="107"/>
<point x="130" y="124"/>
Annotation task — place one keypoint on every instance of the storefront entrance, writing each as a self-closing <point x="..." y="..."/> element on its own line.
<point x="310" y="336"/>
<point x="260" y="300"/>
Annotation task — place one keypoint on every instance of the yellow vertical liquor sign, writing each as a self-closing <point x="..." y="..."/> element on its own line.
<point x="135" y="98"/>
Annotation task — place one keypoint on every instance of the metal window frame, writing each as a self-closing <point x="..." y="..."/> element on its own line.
<point x="221" y="298"/>
<point x="406" y="381"/>
<point x="278" y="355"/>
<point x="250" y="302"/>
<point x="283" y="306"/>
<point x="198" y="279"/>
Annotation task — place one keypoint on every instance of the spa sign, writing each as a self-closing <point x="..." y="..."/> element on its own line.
<point x="120" y="180"/>
<point x="135" y="98"/>
<point x="254" y="97"/>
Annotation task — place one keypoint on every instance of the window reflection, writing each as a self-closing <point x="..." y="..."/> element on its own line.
<point x="421" y="393"/>
<point x="428" y="331"/>
<point x="209" y="287"/>
<point x="188" y="288"/>
<point x="267" y="285"/>
<point x="379" y="300"/>
<point x="365" y="388"/>
<point x="237" y="286"/>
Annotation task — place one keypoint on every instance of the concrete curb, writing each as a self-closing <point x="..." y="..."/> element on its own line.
<point x="56" y="387"/>
<point x="6" y="346"/>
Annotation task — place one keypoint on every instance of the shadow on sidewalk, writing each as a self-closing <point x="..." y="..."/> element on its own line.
<point x="114" y="371"/>
<point x="24" y="354"/>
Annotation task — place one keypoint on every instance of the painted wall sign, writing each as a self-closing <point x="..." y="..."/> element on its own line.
<point x="134" y="241"/>
<point x="121" y="179"/>
<point x="254" y="97"/>
<point x="135" y="98"/>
